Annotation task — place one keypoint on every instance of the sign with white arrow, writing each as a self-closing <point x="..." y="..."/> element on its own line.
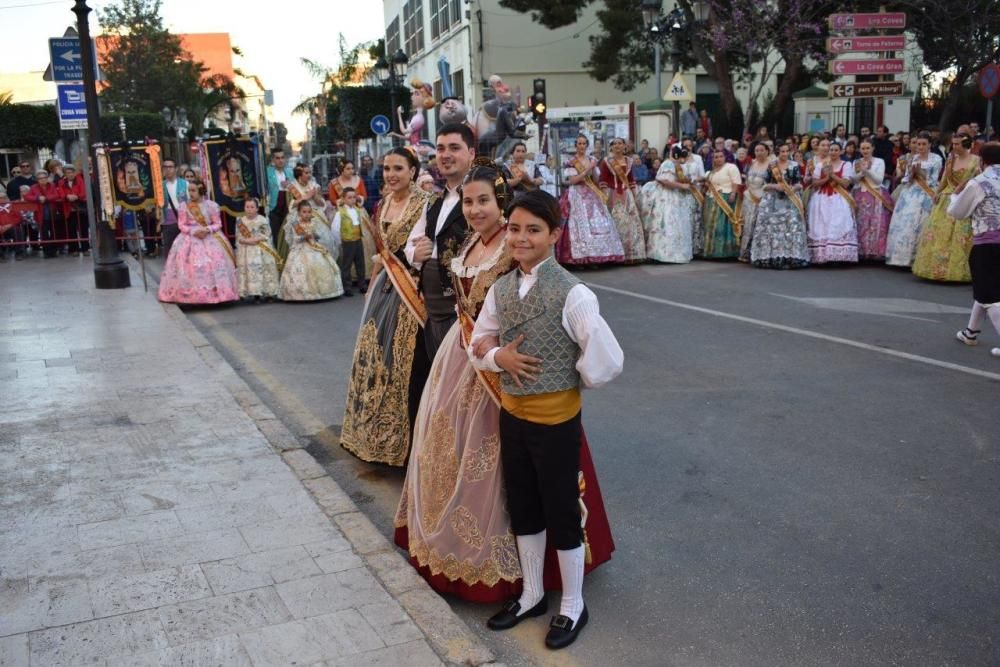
<point x="892" y="66"/>
<point x="380" y="124"/>
<point x="866" y="44"/>
<point x="67" y="65"/>
<point x="867" y="89"/>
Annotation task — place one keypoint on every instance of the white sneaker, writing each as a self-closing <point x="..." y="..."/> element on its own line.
<point x="968" y="336"/>
<point x="995" y="352"/>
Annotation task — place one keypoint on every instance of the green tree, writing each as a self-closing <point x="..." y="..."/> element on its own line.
<point x="727" y="50"/>
<point x="147" y="68"/>
<point x="957" y="38"/>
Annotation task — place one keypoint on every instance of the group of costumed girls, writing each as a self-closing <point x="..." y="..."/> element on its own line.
<point x="202" y="267"/>
<point x="462" y="510"/>
<point x="775" y="215"/>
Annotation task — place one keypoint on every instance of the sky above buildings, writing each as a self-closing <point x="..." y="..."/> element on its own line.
<point x="272" y="35"/>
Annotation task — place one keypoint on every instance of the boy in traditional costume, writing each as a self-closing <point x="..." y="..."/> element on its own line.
<point x="542" y="330"/>
<point x="350" y="219"/>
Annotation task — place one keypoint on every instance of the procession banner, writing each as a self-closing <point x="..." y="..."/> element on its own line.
<point x="131" y="168"/>
<point x="232" y="166"/>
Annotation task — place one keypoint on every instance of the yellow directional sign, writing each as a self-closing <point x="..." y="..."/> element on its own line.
<point x="678" y="90"/>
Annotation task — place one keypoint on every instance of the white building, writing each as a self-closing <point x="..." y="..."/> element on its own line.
<point x="479" y="38"/>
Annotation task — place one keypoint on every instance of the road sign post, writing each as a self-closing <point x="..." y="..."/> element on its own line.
<point x="110" y="272"/>
<point x="989" y="85"/>
<point x="882" y="45"/>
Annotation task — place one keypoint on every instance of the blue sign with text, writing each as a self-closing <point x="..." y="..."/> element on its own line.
<point x="67" y="63"/>
<point x="72" y="106"/>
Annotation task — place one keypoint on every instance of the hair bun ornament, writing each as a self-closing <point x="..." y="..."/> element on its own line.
<point x="483" y="161"/>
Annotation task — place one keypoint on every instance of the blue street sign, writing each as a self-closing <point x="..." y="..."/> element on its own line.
<point x="72" y="106"/>
<point x="380" y="125"/>
<point x="67" y="65"/>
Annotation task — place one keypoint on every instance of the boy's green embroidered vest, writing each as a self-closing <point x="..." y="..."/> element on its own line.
<point x="348" y="231"/>
<point x="539" y="317"/>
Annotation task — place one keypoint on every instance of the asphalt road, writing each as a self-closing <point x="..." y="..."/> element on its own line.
<point x="799" y="467"/>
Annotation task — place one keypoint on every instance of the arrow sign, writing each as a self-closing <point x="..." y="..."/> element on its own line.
<point x="869" y="44"/>
<point x="64" y="53"/>
<point x="879" y="21"/>
<point x="875" y="89"/>
<point x="380" y="124"/>
<point x="894" y="66"/>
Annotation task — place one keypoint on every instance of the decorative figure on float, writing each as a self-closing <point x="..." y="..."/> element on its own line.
<point x="497" y="124"/>
<point x="422" y="98"/>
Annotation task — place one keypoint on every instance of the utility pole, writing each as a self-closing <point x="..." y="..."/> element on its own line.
<point x="110" y="272"/>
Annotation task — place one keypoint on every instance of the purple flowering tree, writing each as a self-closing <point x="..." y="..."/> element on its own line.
<point x="761" y="36"/>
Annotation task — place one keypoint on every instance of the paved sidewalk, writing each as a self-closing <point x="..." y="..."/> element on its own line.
<point x="153" y="511"/>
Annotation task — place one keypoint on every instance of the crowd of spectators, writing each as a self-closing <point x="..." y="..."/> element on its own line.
<point x="43" y="211"/>
<point x="698" y="139"/>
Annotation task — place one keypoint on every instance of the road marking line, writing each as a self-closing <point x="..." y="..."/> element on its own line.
<point x="803" y="332"/>
<point x="301" y="415"/>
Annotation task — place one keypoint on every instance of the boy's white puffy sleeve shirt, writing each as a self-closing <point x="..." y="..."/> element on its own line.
<point x="965" y="202"/>
<point x="601" y="357"/>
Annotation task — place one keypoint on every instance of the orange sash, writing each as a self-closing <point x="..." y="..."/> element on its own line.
<point x="195" y="210"/>
<point x="839" y="189"/>
<point x="400" y="278"/>
<point x="792" y="195"/>
<point x="955" y="179"/>
<point x="314" y="244"/>
<point x="262" y="244"/>
<point x="734" y="216"/>
<point x="920" y="180"/>
<point x="683" y="178"/>
<point x="489" y="380"/>
<point x="877" y="193"/>
<point x="588" y="181"/>
<point x="620" y="173"/>
<point x="525" y="181"/>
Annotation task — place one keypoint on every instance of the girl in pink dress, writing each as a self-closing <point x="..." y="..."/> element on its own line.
<point x="201" y="267"/>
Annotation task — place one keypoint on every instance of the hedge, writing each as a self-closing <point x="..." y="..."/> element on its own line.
<point x="37" y="126"/>
<point x="138" y="126"/>
<point x="356" y="105"/>
<point x="28" y="126"/>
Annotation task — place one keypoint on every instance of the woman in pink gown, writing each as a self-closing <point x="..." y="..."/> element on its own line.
<point x="201" y="267"/>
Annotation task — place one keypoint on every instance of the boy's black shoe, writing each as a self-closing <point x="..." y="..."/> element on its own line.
<point x="508" y="617"/>
<point x="563" y="631"/>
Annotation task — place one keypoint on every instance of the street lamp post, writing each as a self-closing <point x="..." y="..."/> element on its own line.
<point x="110" y="272"/>
<point x="676" y="27"/>
<point x="392" y="72"/>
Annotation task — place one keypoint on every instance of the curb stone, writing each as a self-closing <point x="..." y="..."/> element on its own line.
<point x="447" y="634"/>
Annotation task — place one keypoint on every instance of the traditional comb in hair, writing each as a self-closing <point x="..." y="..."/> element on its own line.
<point x="486" y="169"/>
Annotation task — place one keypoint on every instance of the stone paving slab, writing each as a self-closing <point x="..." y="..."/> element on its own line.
<point x="155" y="512"/>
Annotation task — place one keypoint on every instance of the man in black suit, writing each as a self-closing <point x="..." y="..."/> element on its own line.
<point x="440" y="233"/>
<point x="882" y="148"/>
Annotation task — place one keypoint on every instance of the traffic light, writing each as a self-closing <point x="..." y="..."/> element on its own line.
<point x="538" y="101"/>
